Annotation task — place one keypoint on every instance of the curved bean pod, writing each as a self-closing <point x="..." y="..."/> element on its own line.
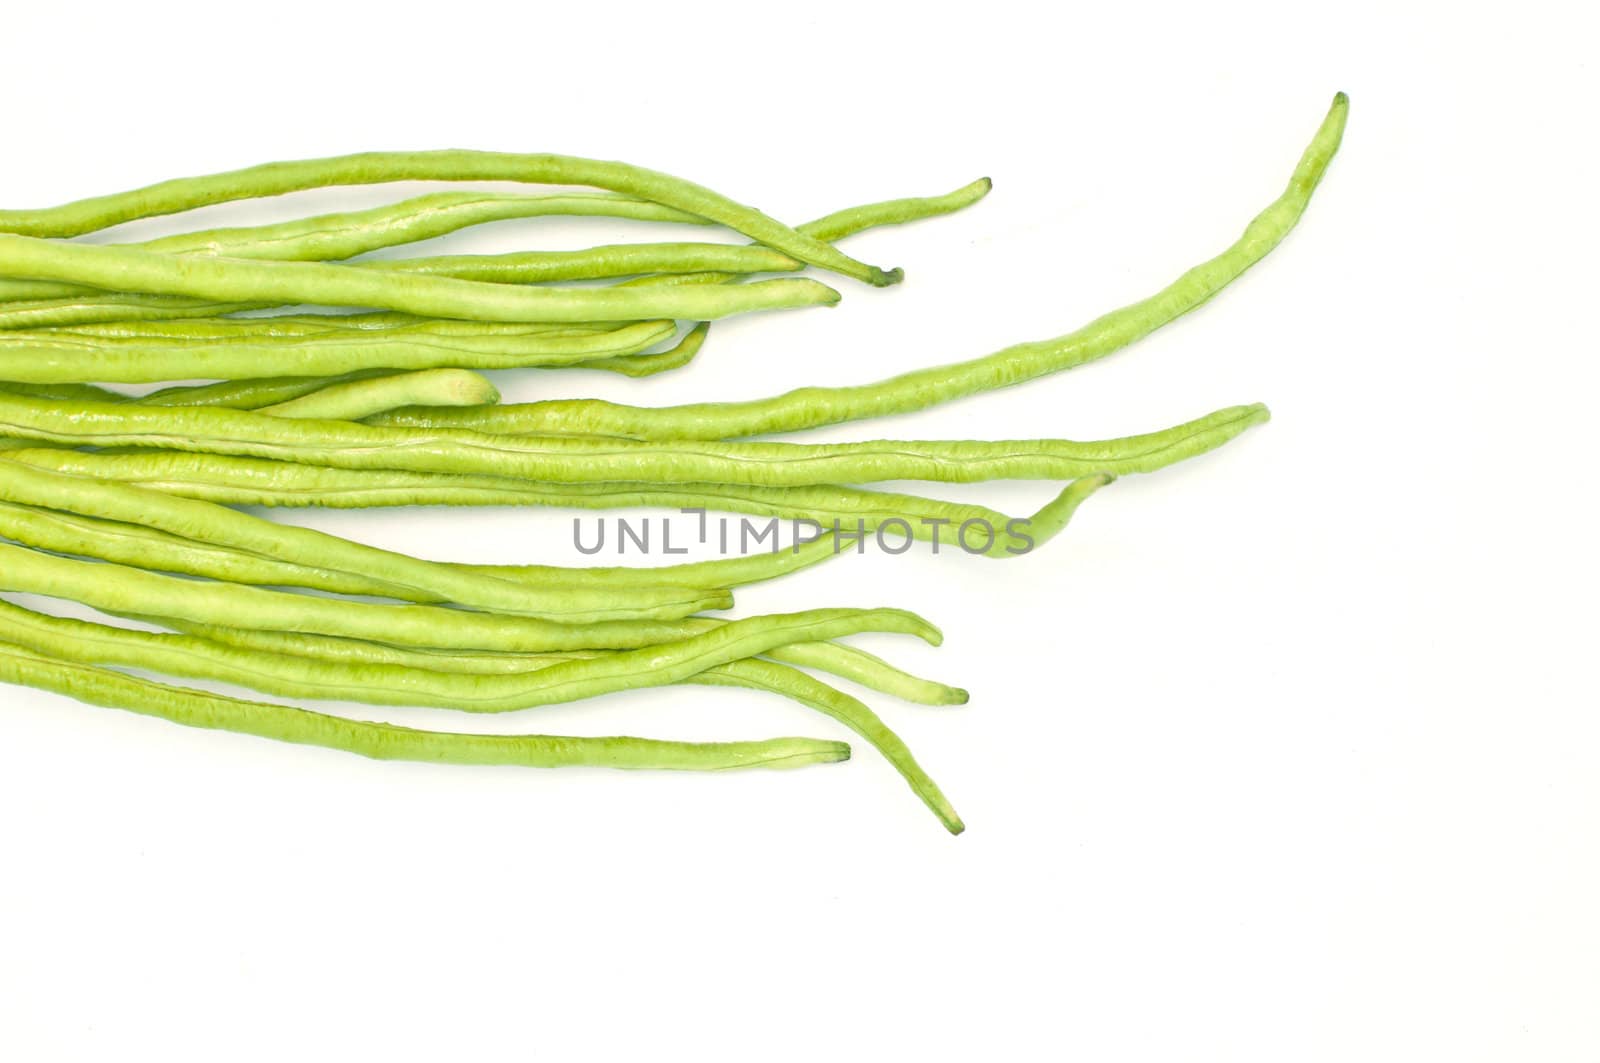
<point x="557" y="682"/>
<point x="199" y="658"/>
<point x="868" y="670"/>
<point x="574" y="460"/>
<point x="425" y="580"/>
<point x="764" y="675"/>
<point x="277" y="178"/>
<point x="194" y="708"/>
<point x="641" y="365"/>
<point x="813" y="407"/>
<point x="836" y="659"/>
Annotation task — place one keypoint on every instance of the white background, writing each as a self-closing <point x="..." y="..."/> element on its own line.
<point x="1286" y="753"/>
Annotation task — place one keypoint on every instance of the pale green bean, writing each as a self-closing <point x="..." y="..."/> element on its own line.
<point x="577" y="460"/>
<point x="272" y="179"/>
<point x="353" y="400"/>
<point x="240" y="280"/>
<point x="45" y="357"/>
<point x="207" y="522"/>
<point x="193" y="708"/>
<point x="812" y="407"/>
<point x="122" y="590"/>
<point x="846" y="662"/>
<point x="383" y="684"/>
<point x="329" y="237"/>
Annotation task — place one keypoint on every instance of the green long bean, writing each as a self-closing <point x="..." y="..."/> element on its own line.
<point x="272" y="179"/>
<point x="87" y="307"/>
<point x="249" y="281"/>
<point x="207" y="522"/>
<point x="837" y="659"/>
<point x="31" y="357"/>
<point x="355" y="399"/>
<point x="813" y="407"/>
<point x="122" y="590"/>
<point x="555" y="681"/>
<point x="378" y="684"/>
<point x="193" y="708"/>
<point x="137" y="469"/>
<point x="329" y="237"/>
<point x="574" y="460"/>
<point x="891" y="516"/>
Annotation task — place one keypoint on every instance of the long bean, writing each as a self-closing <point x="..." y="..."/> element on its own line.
<point x="593" y="263"/>
<point x="425" y="580"/>
<point x="813" y="407"/>
<point x="72" y="535"/>
<point x="239" y="280"/>
<point x="573" y="460"/>
<point x="677" y="356"/>
<point x="119" y="589"/>
<point x="557" y="682"/>
<point x="301" y="326"/>
<point x="838" y="659"/>
<point x="272" y="179"/>
<point x="90" y="307"/>
<point x="32" y="357"/>
<point x="764" y="675"/>
<point x="350" y="233"/>
<point x="193" y="708"/>
<point x="890" y="516"/>
<point x="353" y="400"/>
<point x="380" y="684"/>
<point x="154" y="471"/>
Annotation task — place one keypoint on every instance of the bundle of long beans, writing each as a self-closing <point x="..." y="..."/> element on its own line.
<point x="122" y="503"/>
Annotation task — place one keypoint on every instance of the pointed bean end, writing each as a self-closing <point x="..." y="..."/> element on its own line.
<point x="883" y="278"/>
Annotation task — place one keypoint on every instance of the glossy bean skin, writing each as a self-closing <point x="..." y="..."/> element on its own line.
<point x="353" y="400"/>
<point x="765" y="675"/>
<point x="893" y="516"/>
<point x="601" y="262"/>
<point x="76" y="536"/>
<point x="122" y="590"/>
<point x="272" y="179"/>
<point x="193" y="708"/>
<point x="837" y="659"/>
<point x="265" y="281"/>
<point x="155" y="472"/>
<point x="89" y="307"/>
<point x="557" y="682"/>
<point x="35" y="357"/>
<point x="207" y="522"/>
<point x="542" y="682"/>
<point x="330" y="237"/>
<point x="579" y="460"/>
<point x="814" y="407"/>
